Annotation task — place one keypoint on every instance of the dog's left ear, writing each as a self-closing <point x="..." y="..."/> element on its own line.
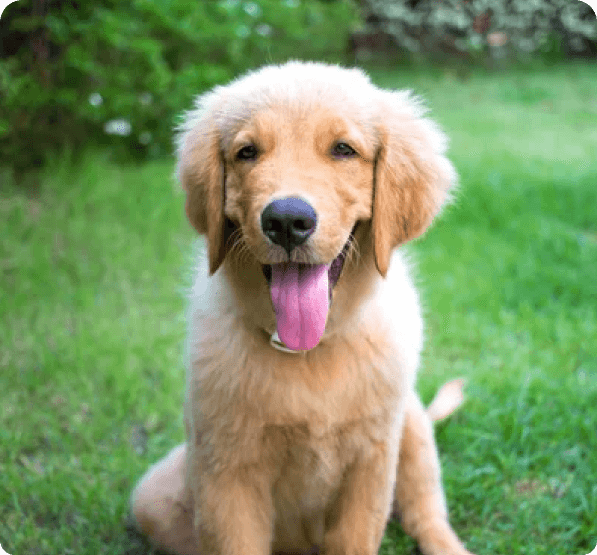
<point x="412" y="176"/>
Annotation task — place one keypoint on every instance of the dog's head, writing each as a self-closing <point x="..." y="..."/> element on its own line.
<point x="282" y="165"/>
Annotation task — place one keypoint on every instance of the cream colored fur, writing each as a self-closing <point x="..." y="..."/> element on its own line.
<point x="294" y="452"/>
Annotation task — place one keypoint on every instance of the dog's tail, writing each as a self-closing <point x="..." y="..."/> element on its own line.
<point x="449" y="397"/>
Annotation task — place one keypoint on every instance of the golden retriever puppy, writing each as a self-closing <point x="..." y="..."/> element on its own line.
<point x="303" y="425"/>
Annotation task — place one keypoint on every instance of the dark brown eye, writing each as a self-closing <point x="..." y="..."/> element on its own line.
<point x="247" y="153"/>
<point x="343" y="150"/>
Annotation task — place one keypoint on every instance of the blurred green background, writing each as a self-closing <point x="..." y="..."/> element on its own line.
<point x="118" y="72"/>
<point x="96" y="253"/>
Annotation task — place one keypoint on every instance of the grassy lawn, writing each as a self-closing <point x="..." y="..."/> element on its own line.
<point x="93" y="273"/>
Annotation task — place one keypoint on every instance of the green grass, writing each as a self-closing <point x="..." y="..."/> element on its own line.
<point x="92" y="278"/>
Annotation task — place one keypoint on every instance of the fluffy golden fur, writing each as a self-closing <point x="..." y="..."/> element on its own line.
<point x="290" y="452"/>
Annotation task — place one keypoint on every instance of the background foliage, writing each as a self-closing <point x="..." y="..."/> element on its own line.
<point x="120" y="70"/>
<point x="515" y="29"/>
<point x="117" y="72"/>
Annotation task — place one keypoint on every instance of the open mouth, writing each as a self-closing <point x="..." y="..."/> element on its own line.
<point x="334" y="269"/>
<point x="301" y="296"/>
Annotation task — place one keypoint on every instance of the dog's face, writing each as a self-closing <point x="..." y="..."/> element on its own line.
<point x="296" y="185"/>
<point x="283" y="164"/>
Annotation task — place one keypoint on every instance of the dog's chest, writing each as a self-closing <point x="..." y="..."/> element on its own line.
<point x="310" y="475"/>
<point x="311" y="470"/>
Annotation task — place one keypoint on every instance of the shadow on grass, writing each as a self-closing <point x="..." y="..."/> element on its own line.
<point x="136" y="543"/>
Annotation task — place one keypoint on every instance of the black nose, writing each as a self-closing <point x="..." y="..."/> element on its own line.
<point x="288" y="222"/>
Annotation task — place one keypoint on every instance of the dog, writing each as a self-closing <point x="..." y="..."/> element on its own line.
<point x="304" y="431"/>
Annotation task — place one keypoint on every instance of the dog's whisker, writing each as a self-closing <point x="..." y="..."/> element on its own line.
<point x="353" y="254"/>
<point x="239" y="246"/>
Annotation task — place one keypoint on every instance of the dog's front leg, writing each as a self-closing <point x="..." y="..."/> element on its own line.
<point x="356" y="523"/>
<point x="233" y="513"/>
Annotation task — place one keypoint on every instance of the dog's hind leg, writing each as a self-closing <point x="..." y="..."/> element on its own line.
<point x="161" y="506"/>
<point x="419" y="497"/>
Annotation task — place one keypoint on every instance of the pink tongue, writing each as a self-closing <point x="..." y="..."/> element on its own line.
<point x="300" y="295"/>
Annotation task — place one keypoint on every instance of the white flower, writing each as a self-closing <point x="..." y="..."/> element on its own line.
<point x="252" y="9"/>
<point x="264" y="30"/>
<point x="95" y="99"/>
<point x="120" y="127"/>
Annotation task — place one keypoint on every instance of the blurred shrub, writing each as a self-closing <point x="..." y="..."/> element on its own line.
<point x="76" y="73"/>
<point x="514" y="29"/>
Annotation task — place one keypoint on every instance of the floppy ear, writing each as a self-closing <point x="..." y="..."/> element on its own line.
<point x="412" y="176"/>
<point x="201" y="173"/>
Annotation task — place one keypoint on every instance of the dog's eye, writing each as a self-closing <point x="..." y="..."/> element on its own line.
<point x="247" y="153"/>
<point x="343" y="150"/>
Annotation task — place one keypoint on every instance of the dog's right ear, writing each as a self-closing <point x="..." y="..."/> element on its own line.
<point x="201" y="172"/>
